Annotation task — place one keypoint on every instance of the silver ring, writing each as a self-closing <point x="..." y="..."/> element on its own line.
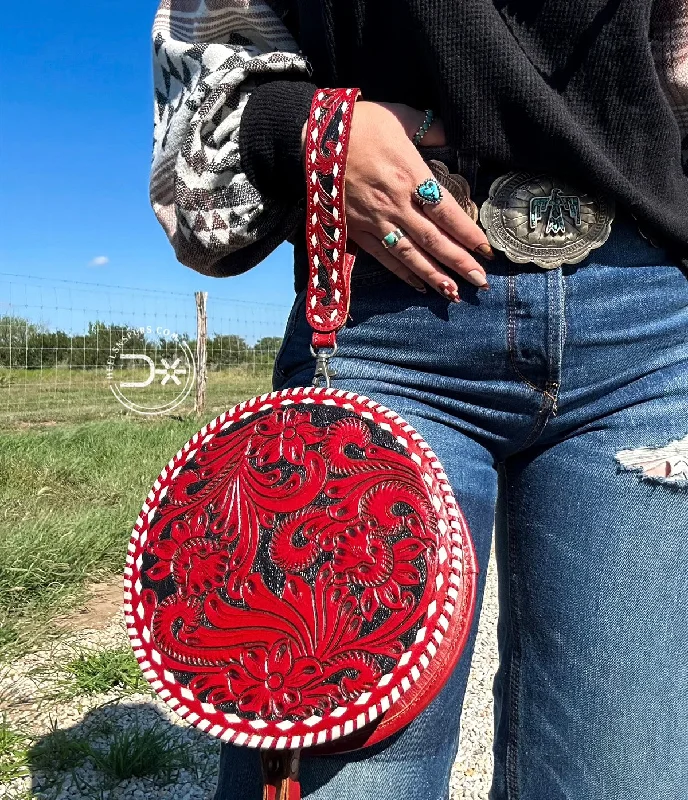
<point x="392" y="238"/>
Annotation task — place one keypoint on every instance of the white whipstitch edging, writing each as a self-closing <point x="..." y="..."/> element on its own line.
<point x="432" y="635"/>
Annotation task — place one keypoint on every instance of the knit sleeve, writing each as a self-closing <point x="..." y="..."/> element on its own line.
<point x="670" y="49"/>
<point x="226" y="200"/>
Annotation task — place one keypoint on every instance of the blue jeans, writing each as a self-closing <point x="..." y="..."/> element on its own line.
<point x="527" y="393"/>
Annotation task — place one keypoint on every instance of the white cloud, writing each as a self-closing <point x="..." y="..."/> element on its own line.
<point x="99" y="261"/>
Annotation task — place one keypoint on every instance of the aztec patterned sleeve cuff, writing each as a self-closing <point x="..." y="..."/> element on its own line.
<point x="207" y="62"/>
<point x="270" y="137"/>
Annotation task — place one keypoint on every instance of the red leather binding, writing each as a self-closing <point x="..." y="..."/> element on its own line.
<point x="281" y="775"/>
<point x="324" y="339"/>
<point x="330" y="262"/>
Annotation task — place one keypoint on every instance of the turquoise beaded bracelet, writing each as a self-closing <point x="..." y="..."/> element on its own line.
<point x="427" y="122"/>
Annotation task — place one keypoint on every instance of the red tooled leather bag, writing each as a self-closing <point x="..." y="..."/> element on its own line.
<point x="300" y="575"/>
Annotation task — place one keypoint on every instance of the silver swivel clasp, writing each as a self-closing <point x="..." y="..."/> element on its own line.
<point x="323" y="371"/>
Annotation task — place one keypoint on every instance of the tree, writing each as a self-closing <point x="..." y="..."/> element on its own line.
<point x="227" y="351"/>
<point x="266" y="349"/>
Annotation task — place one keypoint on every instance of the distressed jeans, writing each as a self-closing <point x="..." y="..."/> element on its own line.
<point x="557" y="402"/>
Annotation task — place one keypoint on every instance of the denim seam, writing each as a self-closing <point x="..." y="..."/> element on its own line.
<point x="549" y="392"/>
<point x="558" y="340"/>
<point x="550" y="324"/>
<point x="563" y="326"/>
<point x="554" y="358"/>
<point x="511" y="333"/>
<point x="514" y="680"/>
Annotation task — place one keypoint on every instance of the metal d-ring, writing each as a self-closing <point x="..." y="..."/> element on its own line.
<point x="322" y="367"/>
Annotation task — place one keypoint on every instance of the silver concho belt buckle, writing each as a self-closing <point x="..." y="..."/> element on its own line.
<point x="539" y="219"/>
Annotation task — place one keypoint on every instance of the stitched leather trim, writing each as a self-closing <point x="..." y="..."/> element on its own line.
<point x="329" y="261"/>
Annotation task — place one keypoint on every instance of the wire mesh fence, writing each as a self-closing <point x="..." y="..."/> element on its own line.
<point x="74" y="350"/>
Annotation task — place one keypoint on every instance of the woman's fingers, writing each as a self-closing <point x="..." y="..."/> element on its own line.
<point x="449" y="216"/>
<point x="447" y="232"/>
<point x="371" y="245"/>
<point x="410" y="263"/>
<point x="383" y="170"/>
<point x="449" y="251"/>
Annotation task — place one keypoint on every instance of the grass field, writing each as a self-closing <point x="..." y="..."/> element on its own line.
<point x="79" y="395"/>
<point x="73" y="477"/>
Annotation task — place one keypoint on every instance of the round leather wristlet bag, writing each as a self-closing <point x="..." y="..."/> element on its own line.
<point x="300" y="575"/>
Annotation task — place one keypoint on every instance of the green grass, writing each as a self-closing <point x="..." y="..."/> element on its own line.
<point x="68" y="499"/>
<point x="97" y="673"/>
<point x="13" y="753"/>
<point x="58" y="751"/>
<point x="62" y="395"/>
<point x="137" y="752"/>
<point x="69" y="496"/>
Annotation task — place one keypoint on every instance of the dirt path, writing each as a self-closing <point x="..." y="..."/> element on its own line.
<point x="103" y="603"/>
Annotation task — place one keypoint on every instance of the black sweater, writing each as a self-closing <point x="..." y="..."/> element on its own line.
<point x="554" y="85"/>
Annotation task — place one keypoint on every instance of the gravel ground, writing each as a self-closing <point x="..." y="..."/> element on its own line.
<point x="27" y="690"/>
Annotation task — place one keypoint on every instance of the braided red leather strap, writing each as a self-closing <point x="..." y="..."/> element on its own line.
<point x="330" y="263"/>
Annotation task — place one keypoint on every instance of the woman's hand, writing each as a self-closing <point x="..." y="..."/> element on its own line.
<point x="383" y="170"/>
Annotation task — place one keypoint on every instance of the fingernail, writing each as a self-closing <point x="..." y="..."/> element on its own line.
<point x="450" y="294"/>
<point x="419" y="287"/>
<point x="477" y="278"/>
<point x="485" y="250"/>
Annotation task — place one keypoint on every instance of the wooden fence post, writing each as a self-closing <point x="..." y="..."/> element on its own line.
<point x="201" y="350"/>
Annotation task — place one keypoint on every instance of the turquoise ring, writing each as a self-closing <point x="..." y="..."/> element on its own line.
<point x="428" y="193"/>
<point x="393" y="238"/>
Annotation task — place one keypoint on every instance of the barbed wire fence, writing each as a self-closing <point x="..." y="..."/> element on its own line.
<point x="73" y="351"/>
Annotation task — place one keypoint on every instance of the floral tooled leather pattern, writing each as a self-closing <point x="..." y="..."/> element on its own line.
<point x="295" y="562"/>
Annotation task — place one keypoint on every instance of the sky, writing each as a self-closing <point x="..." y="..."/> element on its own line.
<point x="76" y="121"/>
